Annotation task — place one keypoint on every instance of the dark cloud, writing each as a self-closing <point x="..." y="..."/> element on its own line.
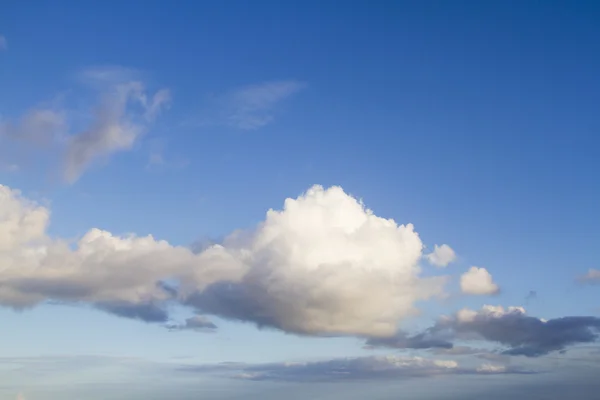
<point x="195" y="323"/>
<point x="529" y="336"/>
<point x="456" y="351"/>
<point x="403" y="341"/>
<point x="520" y="334"/>
<point x="532" y="295"/>
<point x="148" y="312"/>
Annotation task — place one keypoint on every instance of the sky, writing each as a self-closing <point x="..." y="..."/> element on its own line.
<point x="266" y="200"/>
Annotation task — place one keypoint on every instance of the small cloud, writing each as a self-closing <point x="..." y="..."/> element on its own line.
<point x="441" y="256"/>
<point x="491" y="369"/>
<point x="196" y="323"/>
<point x="591" y="277"/>
<point x="478" y="281"/>
<point x="250" y="107"/>
<point x="117" y="123"/>
<point x="3" y="43"/>
<point x="532" y="295"/>
<point x="158" y="160"/>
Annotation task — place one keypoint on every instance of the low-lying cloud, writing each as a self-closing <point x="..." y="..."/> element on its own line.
<point x="351" y="369"/>
<point x="515" y="332"/>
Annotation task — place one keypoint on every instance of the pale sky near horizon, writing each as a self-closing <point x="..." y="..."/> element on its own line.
<point x="227" y="200"/>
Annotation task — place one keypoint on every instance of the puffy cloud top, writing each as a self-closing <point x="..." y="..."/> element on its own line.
<point x="478" y="281"/>
<point x="441" y="256"/>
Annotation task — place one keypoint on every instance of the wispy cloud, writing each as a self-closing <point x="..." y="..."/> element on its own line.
<point x="3" y="43"/>
<point x="250" y="107"/>
<point x="122" y="113"/>
<point x="117" y="124"/>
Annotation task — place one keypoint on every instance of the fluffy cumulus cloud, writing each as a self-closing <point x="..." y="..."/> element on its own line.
<point x="441" y="256"/>
<point x="323" y="265"/>
<point x="342" y="369"/>
<point x="121" y="275"/>
<point x="478" y="281"/>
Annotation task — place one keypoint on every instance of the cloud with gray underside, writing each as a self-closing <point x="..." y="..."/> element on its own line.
<point x="516" y="332"/>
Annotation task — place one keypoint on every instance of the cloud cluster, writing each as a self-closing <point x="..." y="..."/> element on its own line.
<point x="351" y="369"/>
<point x="519" y="333"/>
<point x="323" y="265"/>
<point x="478" y="281"/>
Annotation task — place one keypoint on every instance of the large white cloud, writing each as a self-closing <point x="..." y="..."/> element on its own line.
<point x="323" y="265"/>
<point x="478" y="281"/>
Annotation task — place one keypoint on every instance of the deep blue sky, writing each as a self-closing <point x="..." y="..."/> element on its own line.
<point x="475" y="121"/>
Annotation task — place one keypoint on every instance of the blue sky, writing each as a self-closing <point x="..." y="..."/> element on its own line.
<point x="475" y="122"/>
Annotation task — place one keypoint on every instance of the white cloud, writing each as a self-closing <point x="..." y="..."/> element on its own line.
<point x="3" y="43"/>
<point x="250" y="107"/>
<point x="491" y="368"/>
<point x="488" y="311"/>
<point x="441" y="256"/>
<point x="323" y="265"/>
<point x="478" y="281"/>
